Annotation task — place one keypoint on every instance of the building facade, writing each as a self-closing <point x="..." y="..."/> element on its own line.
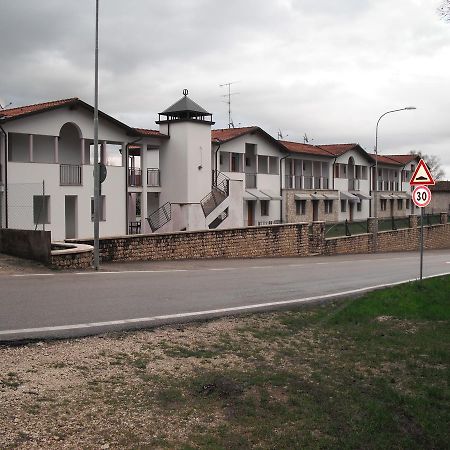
<point x="183" y="176"/>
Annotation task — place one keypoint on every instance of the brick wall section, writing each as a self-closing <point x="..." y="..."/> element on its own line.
<point x="407" y="239"/>
<point x="252" y="242"/>
<point x="82" y="260"/>
<point x="297" y="239"/>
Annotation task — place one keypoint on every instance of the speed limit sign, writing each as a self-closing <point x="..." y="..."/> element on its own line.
<point x="421" y="196"/>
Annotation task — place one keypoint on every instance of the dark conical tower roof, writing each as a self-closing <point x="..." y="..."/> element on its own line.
<point x="185" y="109"/>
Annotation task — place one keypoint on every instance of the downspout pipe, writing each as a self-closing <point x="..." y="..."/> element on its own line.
<point x="215" y="163"/>
<point x="371" y="188"/>
<point x="5" y="138"/>
<point x="126" y="181"/>
<point x="281" y="188"/>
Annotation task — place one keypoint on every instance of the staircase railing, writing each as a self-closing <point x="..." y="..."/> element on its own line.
<point x="218" y="220"/>
<point x="219" y="192"/>
<point x="160" y="217"/>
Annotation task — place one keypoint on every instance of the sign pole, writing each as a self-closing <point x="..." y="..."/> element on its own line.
<point x="96" y="164"/>
<point x="421" y="242"/>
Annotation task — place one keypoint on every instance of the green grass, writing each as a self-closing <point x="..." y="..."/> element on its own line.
<point x="365" y="373"/>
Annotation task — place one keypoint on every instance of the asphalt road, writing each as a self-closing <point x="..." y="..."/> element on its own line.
<point x="139" y="295"/>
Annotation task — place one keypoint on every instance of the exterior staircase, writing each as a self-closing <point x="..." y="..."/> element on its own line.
<point x="219" y="192"/>
<point x="160" y="217"/>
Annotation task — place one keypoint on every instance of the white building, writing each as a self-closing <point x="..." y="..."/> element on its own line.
<point x="183" y="176"/>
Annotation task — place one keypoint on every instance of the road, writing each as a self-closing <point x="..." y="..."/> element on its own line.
<point x="139" y="295"/>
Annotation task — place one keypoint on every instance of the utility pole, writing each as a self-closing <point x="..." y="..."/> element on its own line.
<point x="96" y="164"/>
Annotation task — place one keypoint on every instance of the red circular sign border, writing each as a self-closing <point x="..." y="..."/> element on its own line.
<point x="429" y="195"/>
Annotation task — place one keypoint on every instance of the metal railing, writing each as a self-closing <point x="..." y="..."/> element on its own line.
<point x="134" y="177"/>
<point x="153" y="178"/>
<point x="160" y="217"/>
<point x="388" y="186"/>
<point x="217" y="195"/>
<point x="345" y="228"/>
<point x="134" y="227"/>
<point x="70" y="175"/>
<point x="431" y="219"/>
<point x="218" y="220"/>
<point x="250" y="180"/>
<point x="269" y="222"/>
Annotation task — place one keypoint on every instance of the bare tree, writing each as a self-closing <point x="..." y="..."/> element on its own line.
<point x="444" y="10"/>
<point x="433" y="163"/>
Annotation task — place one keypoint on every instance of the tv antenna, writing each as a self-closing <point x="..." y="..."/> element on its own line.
<point x="306" y="139"/>
<point x="230" y="121"/>
<point x="280" y="135"/>
<point x="4" y="107"/>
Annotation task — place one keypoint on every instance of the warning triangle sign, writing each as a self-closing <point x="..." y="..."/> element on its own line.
<point x="422" y="175"/>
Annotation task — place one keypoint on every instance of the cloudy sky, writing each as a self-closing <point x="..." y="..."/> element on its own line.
<point x="327" y="68"/>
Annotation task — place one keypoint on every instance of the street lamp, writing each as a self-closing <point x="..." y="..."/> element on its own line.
<point x="375" y="190"/>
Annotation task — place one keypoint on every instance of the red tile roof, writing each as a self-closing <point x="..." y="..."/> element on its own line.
<point x="297" y="147"/>
<point x="441" y="186"/>
<point x="403" y="159"/>
<point x="338" y="149"/>
<point x="38" y="107"/>
<point x="394" y="160"/>
<point x="227" y="134"/>
<point x="151" y="133"/>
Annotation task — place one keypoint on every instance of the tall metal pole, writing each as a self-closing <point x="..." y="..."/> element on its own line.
<point x="375" y="190"/>
<point x="421" y="242"/>
<point x="96" y="164"/>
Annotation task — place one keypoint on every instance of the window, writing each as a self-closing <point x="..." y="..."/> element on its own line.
<point x="408" y="203"/>
<point x="263" y="164"/>
<point x="383" y="204"/>
<point x="336" y="171"/>
<point x="274" y="165"/>
<point x="264" y="207"/>
<point x="328" y="206"/>
<point x="235" y="162"/>
<point x="102" y="208"/>
<point x="400" y="204"/>
<point x="343" y="205"/>
<point x="220" y="158"/>
<point x="359" y="206"/>
<point x="300" y="207"/>
<point x="41" y="209"/>
<point x="363" y="172"/>
<point x="247" y="162"/>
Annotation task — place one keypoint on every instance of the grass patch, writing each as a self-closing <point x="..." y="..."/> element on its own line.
<point x="369" y="373"/>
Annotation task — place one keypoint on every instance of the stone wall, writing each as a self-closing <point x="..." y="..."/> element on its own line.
<point x="251" y="242"/>
<point x="27" y="244"/>
<point x="297" y="239"/>
<point x="407" y="239"/>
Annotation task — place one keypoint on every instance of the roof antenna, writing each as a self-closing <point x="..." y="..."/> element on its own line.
<point x="230" y="121"/>
<point x="281" y="135"/>
<point x="306" y="139"/>
<point x="4" y="107"/>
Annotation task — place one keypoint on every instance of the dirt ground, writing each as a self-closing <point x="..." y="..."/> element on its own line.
<point x="11" y="264"/>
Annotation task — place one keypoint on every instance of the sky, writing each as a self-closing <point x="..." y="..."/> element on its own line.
<point x="328" y="69"/>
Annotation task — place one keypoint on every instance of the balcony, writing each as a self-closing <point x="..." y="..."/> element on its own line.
<point x="353" y="184"/>
<point x="250" y="180"/>
<point x="302" y="182"/>
<point x="153" y="178"/>
<point x="388" y="185"/>
<point x="134" y="177"/>
<point x="70" y="175"/>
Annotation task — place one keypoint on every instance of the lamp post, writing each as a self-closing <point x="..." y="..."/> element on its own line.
<point x="375" y="190"/>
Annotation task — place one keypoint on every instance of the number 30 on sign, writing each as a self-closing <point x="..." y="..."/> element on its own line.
<point x="421" y="196"/>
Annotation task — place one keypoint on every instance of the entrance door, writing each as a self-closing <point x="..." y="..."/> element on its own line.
<point x="250" y="213"/>
<point x="71" y="216"/>
<point x="315" y="205"/>
<point x="351" y="206"/>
